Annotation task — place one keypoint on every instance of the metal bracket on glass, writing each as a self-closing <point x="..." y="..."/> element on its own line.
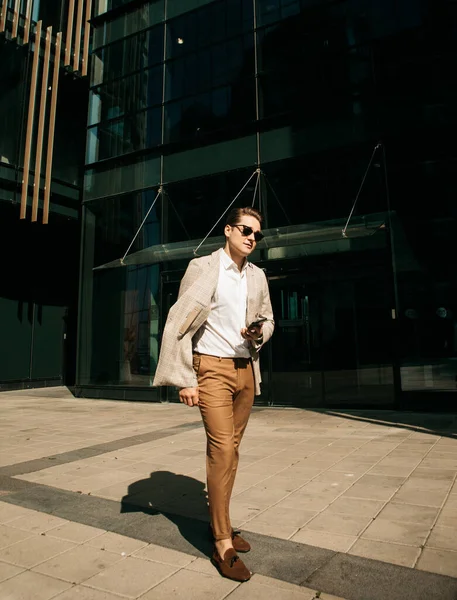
<point x="376" y="148"/>
<point x="159" y="193"/>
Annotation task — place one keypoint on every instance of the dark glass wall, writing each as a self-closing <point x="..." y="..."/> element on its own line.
<point x="194" y="96"/>
<point x="39" y="280"/>
<point x="118" y="331"/>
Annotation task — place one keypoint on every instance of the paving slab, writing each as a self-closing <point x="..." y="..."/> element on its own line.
<point x="121" y="485"/>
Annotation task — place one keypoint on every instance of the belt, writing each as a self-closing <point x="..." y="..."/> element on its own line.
<point x="238" y="359"/>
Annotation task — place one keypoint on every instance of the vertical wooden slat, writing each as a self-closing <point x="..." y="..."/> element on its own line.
<point x="30" y="119"/>
<point x="41" y="122"/>
<point x="3" y="13"/>
<point x="86" y="38"/>
<point x="68" y="39"/>
<point x="15" y="18"/>
<point x="52" y="122"/>
<point x="78" y="34"/>
<point x="28" y="19"/>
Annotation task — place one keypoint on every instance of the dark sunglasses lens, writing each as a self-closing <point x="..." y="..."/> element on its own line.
<point x="248" y="231"/>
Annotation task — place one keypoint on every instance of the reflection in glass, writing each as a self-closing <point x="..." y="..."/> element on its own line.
<point x="134" y="53"/>
<point x="129" y="23"/>
<point x="127" y="134"/>
<point x="208" y="25"/>
<point x="119" y="311"/>
<point x="127" y="95"/>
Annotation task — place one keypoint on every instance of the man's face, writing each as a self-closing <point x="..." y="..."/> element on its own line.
<point x="238" y="243"/>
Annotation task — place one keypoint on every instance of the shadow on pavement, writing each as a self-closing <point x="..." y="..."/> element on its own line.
<point x="164" y="493"/>
<point x="442" y="424"/>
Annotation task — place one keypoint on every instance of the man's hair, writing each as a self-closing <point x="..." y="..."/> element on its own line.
<point x="236" y="214"/>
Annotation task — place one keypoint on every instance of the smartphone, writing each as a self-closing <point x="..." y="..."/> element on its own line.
<point x="257" y="323"/>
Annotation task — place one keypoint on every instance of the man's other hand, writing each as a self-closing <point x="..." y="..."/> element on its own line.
<point x="189" y="396"/>
<point x="252" y="333"/>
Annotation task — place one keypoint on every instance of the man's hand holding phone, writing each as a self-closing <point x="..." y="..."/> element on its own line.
<point x="254" y="331"/>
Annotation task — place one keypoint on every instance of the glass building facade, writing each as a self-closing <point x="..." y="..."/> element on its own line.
<point x="311" y="108"/>
<point x="43" y="114"/>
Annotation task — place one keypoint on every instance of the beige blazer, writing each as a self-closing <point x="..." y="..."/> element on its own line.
<point x="190" y="312"/>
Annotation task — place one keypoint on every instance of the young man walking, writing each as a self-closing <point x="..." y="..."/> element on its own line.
<point x="210" y="350"/>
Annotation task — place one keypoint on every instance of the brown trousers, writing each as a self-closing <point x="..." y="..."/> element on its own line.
<point x="226" y="396"/>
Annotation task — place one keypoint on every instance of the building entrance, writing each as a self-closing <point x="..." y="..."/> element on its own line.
<point x="333" y="340"/>
<point x="332" y="344"/>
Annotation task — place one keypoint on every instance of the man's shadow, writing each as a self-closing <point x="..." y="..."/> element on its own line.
<point x="163" y="493"/>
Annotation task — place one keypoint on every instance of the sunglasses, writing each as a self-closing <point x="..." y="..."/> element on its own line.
<point x="247" y="231"/>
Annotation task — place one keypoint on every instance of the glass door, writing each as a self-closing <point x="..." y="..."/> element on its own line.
<point x="332" y="344"/>
<point x="294" y="351"/>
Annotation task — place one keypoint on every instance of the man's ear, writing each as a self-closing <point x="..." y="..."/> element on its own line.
<point x="227" y="230"/>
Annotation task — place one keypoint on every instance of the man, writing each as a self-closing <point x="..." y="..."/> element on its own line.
<point x="210" y="350"/>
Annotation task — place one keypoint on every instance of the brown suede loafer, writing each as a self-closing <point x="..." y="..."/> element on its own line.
<point x="239" y="543"/>
<point x="231" y="566"/>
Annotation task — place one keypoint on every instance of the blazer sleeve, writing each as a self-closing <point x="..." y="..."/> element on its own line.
<point x="267" y="312"/>
<point x="191" y="274"/>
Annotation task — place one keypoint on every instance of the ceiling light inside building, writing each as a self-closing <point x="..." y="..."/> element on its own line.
<point x="180" y="41"/>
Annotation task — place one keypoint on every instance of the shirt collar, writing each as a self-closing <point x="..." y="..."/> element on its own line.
<point x="228" y="263"/>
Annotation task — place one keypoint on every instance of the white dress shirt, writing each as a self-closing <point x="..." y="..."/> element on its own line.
<point x="221" y="334"/>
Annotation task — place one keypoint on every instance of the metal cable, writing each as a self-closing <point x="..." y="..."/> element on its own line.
<point x="225" y="212"/>
<point x="159" y="193"/>
<point x="255" y="190"/>
<point x="360" y="189"/>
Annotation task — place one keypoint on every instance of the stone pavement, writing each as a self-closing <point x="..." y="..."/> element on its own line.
<point x="104" y="499"/>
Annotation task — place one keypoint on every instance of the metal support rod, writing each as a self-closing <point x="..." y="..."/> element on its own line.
<point x="15" y="19"/>
<point x="30" y="121"/>
<point x="259" y="172"/>
<point x="225" y="211"/>
<point x="360" y="189"/>
<point x="78" y="36"/>
<point x="85" y="63"/>
<point x="159" y="193"/>
<point x="52" y="123"/>
<point x="41" y="125"/>
<point x="69" y="36"/>
<point x="28" y="18"/>
<point x="3" y="15"/>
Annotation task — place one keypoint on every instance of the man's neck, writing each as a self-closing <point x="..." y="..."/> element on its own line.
<point x="238" y="259"/>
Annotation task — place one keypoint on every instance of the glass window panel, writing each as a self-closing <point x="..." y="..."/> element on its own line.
<point x="234" y="18"/>
<point x="126" y="95"/>
<point x="182" y="36"/>
<point x="174" y="80"/>
<point x="224" y="156"/>
<point x="132" y="54"/>
<point x="217" y="32"/>
<point x="290" y="9"/>
<point x="191" y="68"/>
<point x="124" y="176"/>
<point x="120" y="307"/>
<point x="14" y="87"/>
<point x="223" y="64"/>
<point x="130" y="22"/>
<point x="176" y="8"/>
<point x="221" y="102"/>
<point x="204" y="70"/>
<point x="103" y="6"/>
<point x="200" y="202"/>
<point x="210" y="25"/>
<point x="224" y="109"/>
<point x="128" y="134"/>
